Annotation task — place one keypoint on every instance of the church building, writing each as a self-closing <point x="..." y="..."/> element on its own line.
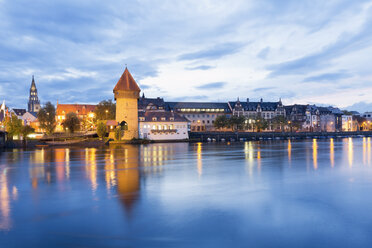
<point x="33" y="101"/>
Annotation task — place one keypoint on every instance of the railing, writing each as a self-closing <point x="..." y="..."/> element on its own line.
<point x="164" y="130"/>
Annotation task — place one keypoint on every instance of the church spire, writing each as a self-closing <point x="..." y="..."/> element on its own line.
<point x="33" y="101"/>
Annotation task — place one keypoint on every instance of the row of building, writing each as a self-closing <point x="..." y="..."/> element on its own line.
<point x="154" y="118"/>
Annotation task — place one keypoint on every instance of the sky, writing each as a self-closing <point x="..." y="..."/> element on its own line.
<point x="305" y="52"/>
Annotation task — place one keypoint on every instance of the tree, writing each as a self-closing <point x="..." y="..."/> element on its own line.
<point x="72" y="122"/>
<point x="221" y="122"/>
<point x="105" y="110"/>
<point x="118" y="133"/>
<point x="279" y="121"/>
<point x="47" y="118"/>
<point x="101" y="129"/>
<point x="236" y="122"/>
<point x="261" y="124"/>
<point x="13" y="125"/>
<point x="26" y="130"/>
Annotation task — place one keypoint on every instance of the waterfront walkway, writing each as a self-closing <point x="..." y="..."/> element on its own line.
<point x="235" y="136"/>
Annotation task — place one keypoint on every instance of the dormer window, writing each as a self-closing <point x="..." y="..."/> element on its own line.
<point x="163" y="118"/>
<point x="154" y="118"/>
<point x="171" y="118"/>
<point x="142" y="118"/>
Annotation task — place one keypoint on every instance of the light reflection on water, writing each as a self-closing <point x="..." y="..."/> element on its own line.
<point x="126" y="186"/>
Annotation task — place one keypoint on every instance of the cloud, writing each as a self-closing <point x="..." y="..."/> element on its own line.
<point x="200" y="67"/>
<point x="263" y="53"/>
<point x="77" y="50"/>
<point x="264" y="89"/>
<point x="346" y="43"/>
<point x="361" y="107"/>
<point x="215" y="52"/>
<point x="214" y="85"/>
<point x="328" y="77"/>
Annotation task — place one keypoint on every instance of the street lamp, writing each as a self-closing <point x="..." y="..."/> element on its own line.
<point x="106" y="113"/>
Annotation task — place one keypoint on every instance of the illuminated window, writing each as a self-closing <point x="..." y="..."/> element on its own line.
<point x="154" y="118"/>
<point x="163" y="118"/>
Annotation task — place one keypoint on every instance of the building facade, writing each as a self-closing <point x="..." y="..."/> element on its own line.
<point x="85" y="112"/>
<point x="162" y="125"/>
<point x="126" y="94"/>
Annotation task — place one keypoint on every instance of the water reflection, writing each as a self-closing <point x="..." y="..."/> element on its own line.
<point x="91" y="167"/>
<point x="332" y="152"/>
<point x="315" y="154"/>
<point x="350" y="152"/>
<point x="199" y="158"/>
<point x="119" y="175"/>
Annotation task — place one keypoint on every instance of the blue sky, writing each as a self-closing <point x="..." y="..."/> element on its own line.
<point x="302" y="51"/>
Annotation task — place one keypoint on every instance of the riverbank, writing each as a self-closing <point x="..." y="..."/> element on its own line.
<point x="88" y="143"/>
<point x="242" y="136"/>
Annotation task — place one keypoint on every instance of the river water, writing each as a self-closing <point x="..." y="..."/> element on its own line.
<point x="310" y="193"/>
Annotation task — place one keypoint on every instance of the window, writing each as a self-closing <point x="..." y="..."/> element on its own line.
<point x="163" y="118"/>
<point x="171" y="118"/>
<point x="154" y="118"/>
<point x="142" y="118"/>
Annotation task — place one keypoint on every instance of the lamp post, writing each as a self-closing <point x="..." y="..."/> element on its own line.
<point x="106" y="113"/>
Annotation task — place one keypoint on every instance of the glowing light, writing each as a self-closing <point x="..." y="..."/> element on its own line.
<point x="315" y="154"/>
<point x="199" y="158"/>
<point x="332" y="152"/>
<point x="289" y="150"/>
<point x="350" y="152"/>
<point x="4" y="202"/>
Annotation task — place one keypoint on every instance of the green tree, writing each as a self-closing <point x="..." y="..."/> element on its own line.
<point x="279" y="121"/>
<point x="118" y="133"/>
<point x="47" y="118"/>
<point x="13" y="126"/>
<point x="236" y="122"/>
<point x="26" y="130"/>
<point x="260" y="124"/>
<point x="71" y="123"/>
<point x="101" y="129"/>
<point x="105" y="110"/>
<point x="221" y="122"/>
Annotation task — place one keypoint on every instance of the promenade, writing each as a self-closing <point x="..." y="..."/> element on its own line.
<point x="235" y="136"/>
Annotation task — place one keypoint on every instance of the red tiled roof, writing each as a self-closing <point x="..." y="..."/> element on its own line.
<point x="80" y="109"/>
<point x="126" y="82"/>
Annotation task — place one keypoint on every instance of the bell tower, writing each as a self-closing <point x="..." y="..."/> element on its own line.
<point x="126" y="94"/>
<point x="33" y="100"/>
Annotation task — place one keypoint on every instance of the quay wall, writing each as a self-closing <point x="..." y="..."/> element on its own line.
<point x="2" y="139"/>
<point x="236" y="136"/>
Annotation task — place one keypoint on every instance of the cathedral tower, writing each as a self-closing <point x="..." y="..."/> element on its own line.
<point x="33" y="101"/>
<point x="126" y="94"/>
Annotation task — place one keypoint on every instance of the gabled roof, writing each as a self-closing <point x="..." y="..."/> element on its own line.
<point x="149" y="115"/>
<point x="143" y="103"/>
<point x="197" y="105"/>
<point x="80" y="109"/>
<point x="252" y="106"/>
<point x="126" y="82"/>
<point x="19" y="112"/>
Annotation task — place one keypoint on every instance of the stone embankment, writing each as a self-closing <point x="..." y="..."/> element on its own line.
<point x="242" y="136"/>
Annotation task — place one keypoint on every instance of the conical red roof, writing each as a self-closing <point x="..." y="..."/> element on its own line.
<point x="126" y="82"/>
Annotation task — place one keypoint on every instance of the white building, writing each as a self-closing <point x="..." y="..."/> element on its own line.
<point x="162" y="125"/>
<point x="368" y="116"/>
<point x="347" y="123"/>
